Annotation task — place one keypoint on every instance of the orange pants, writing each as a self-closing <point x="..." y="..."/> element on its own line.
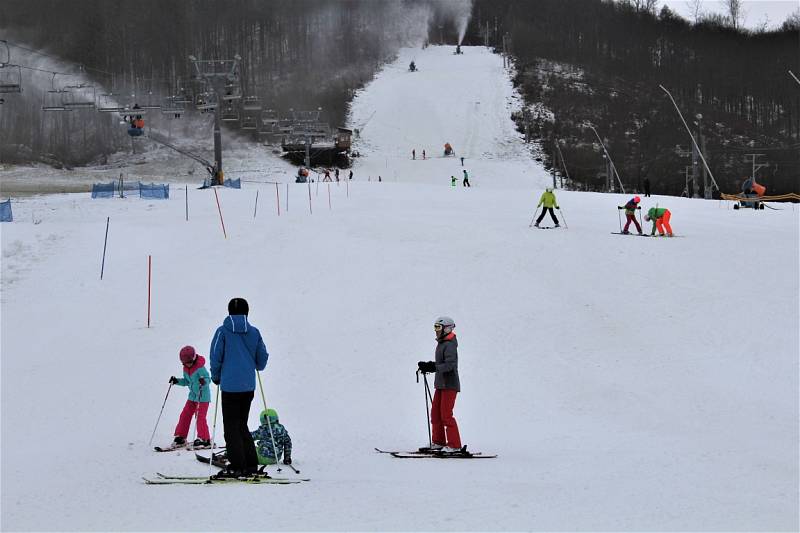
<point x="663" y="222"/>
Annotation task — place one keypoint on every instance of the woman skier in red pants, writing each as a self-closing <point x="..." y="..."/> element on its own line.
<point x="445" y="435"/>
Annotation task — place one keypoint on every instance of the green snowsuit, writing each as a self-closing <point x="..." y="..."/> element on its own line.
<point x="654" y="213"/>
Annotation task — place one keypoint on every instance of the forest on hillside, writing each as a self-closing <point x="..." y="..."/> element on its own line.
<point x="296" y="54"/>
<point x="601" y="63"/>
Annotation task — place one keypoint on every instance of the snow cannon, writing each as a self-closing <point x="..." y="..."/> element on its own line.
<point x="302" y="175"/>
<point x="448" y="150"/>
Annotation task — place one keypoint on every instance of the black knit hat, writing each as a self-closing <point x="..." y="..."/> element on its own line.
<point x="238" y="306"/>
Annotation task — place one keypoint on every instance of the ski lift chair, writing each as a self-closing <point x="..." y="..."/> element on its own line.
<point x="10" y="78"/>
<point x="229" y="112"/>
<point x="250" y="120"/>
<point x="107" y="103"/>
<point x="251" y="103"/>
<point x="206" y="101"/>
<point x="79" y="96"/>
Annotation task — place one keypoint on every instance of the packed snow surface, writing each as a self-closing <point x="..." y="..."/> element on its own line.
<point x="625" y="383"/>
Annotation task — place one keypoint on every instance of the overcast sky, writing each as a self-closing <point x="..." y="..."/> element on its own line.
<point x="755" y="10"/>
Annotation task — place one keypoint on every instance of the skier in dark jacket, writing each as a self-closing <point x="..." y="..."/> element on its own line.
<point x="237" y="352"/>
<point x="445" y="434"/>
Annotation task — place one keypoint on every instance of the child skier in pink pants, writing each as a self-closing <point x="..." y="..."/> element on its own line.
<point x="196" y="377"/>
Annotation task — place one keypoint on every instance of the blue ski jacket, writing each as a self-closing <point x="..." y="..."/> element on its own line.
<point x="237" y="351"/>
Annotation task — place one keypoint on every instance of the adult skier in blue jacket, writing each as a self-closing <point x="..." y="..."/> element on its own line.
<point x="237" y="352"/>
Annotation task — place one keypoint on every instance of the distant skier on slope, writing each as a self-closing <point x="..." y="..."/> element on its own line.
<point x="195" y="376"/>
<point x="630" y="214"/>
<point x="445" y="436"/>
<point x="548" y="198"/>
<point x="660" y="218"/>
<point x="466" y="179"/>
<point x="453" y="181"/>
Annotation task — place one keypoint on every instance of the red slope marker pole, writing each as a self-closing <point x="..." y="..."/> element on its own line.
<point x="220" y="215"/>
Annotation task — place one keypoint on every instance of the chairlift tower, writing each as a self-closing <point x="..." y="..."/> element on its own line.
<point x="222" y="77"/>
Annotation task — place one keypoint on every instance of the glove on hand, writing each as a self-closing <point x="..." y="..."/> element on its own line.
<point x="215" y="381"/>
<point x="287" y="460"/>
<point x="427" y="366"/>
<point x="173" y="380"/>
<point x="202" y="381"/>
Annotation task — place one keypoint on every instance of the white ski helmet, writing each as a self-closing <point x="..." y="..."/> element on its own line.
<point x="446" y="322"/>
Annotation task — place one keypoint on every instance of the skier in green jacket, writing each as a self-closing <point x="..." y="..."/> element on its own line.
<point x="549" y="200"/>
<point x="660" y="218"/>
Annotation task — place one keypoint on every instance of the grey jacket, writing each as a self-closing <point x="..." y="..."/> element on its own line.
<point x="447" y="365"/>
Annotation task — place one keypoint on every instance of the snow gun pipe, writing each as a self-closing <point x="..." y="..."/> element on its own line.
<point x="105" y="243"/>
<point x="159" y="415"/>
<point x="255" y="209"/>
<point x="426" y="392"/>
<point x="534" y="217"/>
<point x="269" y="422"/>
<point x="220" y="214"/>
<point x="187" y="203"/>
<point x="278" y="198"/>
<point x="149" y="284"/>
<point x="214" y="432"/>
<point x="309" y="198"/>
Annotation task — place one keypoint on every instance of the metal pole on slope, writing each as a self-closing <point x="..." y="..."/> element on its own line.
<point x="214" y="432"/>
<point x="563" y="219"/>
<point x="611" y="162"/>
<point x="694" y="142"/>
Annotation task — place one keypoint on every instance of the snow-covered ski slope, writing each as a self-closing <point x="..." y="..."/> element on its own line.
<point x="625" y="383"/>
<point x="465" y="100"/>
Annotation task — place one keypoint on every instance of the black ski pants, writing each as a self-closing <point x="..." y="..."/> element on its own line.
<point x="241" y="450"/>
<point x="552" y="215"/>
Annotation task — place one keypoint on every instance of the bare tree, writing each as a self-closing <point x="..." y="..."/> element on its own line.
<point x="735" y="12"/>
<point x="695" y="9"/>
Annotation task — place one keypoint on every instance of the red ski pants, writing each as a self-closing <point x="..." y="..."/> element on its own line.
<point x="182" y="429"/>
<point x="443" y="423"/>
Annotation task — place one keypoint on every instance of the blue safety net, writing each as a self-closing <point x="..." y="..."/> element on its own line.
<point x="5" y="211"/>
<point x="104" y="190"/>
<point x="234" y="184"/>
<point x="154" y="191"/>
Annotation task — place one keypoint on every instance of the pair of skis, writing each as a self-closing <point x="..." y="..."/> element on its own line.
<point x="255" y="479"/>
<point x="436" y="454"/>
<point x="640" y="234"/>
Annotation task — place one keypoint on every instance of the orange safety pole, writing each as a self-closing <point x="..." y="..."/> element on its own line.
<point x="220" y="214"/>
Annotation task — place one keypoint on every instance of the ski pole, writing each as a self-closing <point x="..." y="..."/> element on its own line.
<point x="159" y="415"/>
<point x="269" y="422"/>
<point x="563" y="218"/>
<point x="619" y="217"/>
<point x="641" y="223"/>
<point x="534" y="217"/>
<point x="426" y="392"/>
<point x="213" y="433"/>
